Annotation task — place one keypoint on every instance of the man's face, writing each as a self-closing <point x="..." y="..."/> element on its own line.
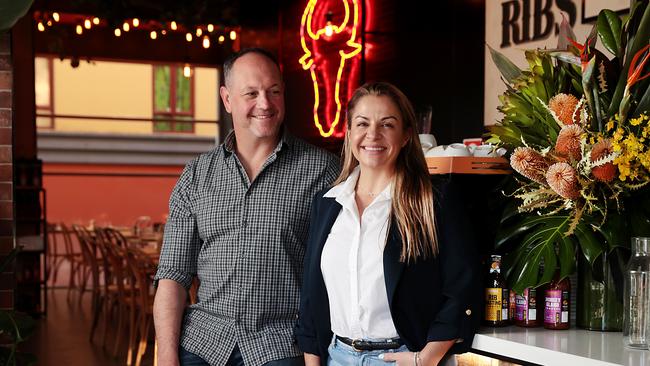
<point x="254" y="95"/>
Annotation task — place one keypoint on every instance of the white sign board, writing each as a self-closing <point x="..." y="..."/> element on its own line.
<point x="512" y="26"/>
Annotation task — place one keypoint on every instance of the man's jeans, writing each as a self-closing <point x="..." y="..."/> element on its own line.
<point x="190" y="359"/>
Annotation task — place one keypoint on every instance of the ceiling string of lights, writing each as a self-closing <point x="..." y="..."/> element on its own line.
<point x="84" y="23"/>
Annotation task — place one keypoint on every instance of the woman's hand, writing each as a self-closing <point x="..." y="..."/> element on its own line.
<point x="312" y="360"/>
<point x="431" y="355"/>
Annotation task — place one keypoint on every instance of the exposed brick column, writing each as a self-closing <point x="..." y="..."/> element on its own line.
<point x="7" y="279"/>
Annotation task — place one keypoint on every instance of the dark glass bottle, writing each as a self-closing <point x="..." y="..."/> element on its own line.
<point x="526" y="308"/>
<point x="556" y="303"/>
<point x="496" y="295"/>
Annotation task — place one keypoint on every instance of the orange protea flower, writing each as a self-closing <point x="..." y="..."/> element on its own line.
<point x="563" y="105"/>
<point x="563" y="179"/>
<point x="607" y="171"/>
<point x="568" y="142"/>
<point x="529" y="163"/>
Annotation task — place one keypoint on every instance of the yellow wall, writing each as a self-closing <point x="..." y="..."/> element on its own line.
<point x="119" y="89"/>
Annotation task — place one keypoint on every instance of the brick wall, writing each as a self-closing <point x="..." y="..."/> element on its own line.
<point x="7" y="279"/>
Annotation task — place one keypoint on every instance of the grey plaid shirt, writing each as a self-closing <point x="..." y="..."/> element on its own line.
<point x="245" y="242"/>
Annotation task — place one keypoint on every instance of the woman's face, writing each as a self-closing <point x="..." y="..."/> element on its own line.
<point x="377" y="133"/>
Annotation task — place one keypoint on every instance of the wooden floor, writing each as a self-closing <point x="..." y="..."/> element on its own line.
<point x="62" y="336"/>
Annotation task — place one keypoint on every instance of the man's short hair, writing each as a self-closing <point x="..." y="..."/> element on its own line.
<point x="230" y="61"/>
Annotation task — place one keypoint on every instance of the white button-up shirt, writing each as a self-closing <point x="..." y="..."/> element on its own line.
<point x="352" y="265"/>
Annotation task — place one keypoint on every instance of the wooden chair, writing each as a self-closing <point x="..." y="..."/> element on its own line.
<point x="74" y="256"/>
<point x="142" y="268"/>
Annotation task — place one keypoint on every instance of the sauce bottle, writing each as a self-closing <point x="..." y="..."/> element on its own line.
<point x="556" y="304"/>
<point x="526" y="308"/>
<point x="496" y="295"/>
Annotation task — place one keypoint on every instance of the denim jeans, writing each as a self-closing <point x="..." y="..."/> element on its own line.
<point x="340" y="354"/>
<point x="190" y="359"/>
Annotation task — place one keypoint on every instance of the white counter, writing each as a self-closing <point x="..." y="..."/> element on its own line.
<point x="573" y="347"/>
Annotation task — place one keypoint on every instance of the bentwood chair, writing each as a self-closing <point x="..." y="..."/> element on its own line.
<point x="142" y="267"/>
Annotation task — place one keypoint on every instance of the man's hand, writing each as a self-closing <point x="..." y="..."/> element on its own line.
<point x="168" y="308"/>
<point x="312" y="360"/>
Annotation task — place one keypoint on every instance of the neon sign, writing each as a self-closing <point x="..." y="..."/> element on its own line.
<point x="328" y="45"/>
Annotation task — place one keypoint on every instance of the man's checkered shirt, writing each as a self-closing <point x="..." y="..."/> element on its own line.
<point x="245" y="242"/>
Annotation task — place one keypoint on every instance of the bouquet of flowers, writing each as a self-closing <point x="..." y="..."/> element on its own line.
<point x="577" y="123"/>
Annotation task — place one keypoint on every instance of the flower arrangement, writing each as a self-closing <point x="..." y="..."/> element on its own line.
<point x="577" y="124"/>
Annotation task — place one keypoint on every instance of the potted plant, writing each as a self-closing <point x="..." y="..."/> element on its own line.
<point x="577" y="125"/>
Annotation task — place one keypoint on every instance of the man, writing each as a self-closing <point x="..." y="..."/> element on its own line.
<point x="238" y="219"/>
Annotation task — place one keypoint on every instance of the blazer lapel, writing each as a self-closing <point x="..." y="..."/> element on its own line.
<point x="393" y="267"/>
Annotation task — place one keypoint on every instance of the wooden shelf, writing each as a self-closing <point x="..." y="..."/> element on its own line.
<point x="467" y="165"/>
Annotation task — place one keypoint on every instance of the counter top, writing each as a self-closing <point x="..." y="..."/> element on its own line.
<point x="575" y="347"/>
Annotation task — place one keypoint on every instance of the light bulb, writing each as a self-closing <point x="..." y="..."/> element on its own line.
<point x="206" y="42"/>
<point x="153" y="35"/>
<point x="187" y="71"/>
<point x="96" y="21"/>
<point x="221" y="39"/>
<point x="188" y="37"/>
<point x="49" y="23"/>
<point x="55" y="16"/>
<point x="174" y="26"/>
<point x="163" y="32"/>
<point x="126" y="26"/>
<point x="136" y="22"/>
<point x="233" y="35"/>
<point x="199" y="32"/>
<point x="329" y="30"/>
<point x="117" y="32"/>
<point x="87" y="24"/>
<point x="79" y="29"/>
<point x="41" y="27"/>
<point x="210" y="27"/>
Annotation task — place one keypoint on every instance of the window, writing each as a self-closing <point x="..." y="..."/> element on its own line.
<point x="173" y="99"/>
<point x="43" y="70"/>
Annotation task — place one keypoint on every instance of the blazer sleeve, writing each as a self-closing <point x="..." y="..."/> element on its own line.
<point x="304" y="330"/>
<point x="459" y="266"/>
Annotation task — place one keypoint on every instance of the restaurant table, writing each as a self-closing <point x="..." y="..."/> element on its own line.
<point x="575" y="347"/>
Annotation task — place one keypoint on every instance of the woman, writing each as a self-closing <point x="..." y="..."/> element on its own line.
<point x="390" y="265"/>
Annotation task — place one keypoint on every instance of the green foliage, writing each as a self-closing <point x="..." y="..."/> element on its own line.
<point x="14" y="329"/>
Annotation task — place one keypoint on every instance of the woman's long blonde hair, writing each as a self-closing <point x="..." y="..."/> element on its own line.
<point x="412" y="203"/>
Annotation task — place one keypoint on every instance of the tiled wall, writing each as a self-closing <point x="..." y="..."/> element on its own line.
<point x="7" y="279"/>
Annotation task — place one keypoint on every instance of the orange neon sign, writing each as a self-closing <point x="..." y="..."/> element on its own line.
<point x="327" y="46"/>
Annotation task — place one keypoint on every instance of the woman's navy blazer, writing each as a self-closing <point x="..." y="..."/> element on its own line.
<point x="431" y="300"/>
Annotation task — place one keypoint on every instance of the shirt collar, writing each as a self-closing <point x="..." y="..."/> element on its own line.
<point x="286" y="140"/>
<point x="344" y="191"/>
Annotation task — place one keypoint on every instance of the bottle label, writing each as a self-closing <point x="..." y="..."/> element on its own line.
<point x="521" y="307"/>
<point x="553" y="307"/>
<point x="493" y="300"/>
<point x="565" y="306"/>
<point x="531" y="297"/>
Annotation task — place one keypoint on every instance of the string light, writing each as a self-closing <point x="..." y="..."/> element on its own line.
<point x="136" y="22"/>
<point x="221" y="39"/>
<point x="210" y="28"/>
<point x="117" y="32"/>
<point x="206" y="42"/>
<point x="187" y="71"/>
<point x="87" y="24"/>
<point x="96" y="21"/>
<point x="153" y="35"/>
<point x="173" y="25"/>
<point x="49" y="23"/>
<point x="41" y="27"/>
<point x="163" y="32"/>
<point x="188" y="37"/>
<point x="199" y="32"/>
<point x="79" y="29"/>
<point x="233" y="35"/>
<point x="126" y="26"/>
<point x="55" y="16"/>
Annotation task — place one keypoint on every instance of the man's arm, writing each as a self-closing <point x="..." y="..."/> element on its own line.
<point x="168" y="308"/>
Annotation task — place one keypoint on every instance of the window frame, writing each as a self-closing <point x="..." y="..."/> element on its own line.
<point x="172" y="114"/>
<point x="48" y="109"/>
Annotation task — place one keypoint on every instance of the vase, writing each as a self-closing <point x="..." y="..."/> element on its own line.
<point x="600" y="293"/>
